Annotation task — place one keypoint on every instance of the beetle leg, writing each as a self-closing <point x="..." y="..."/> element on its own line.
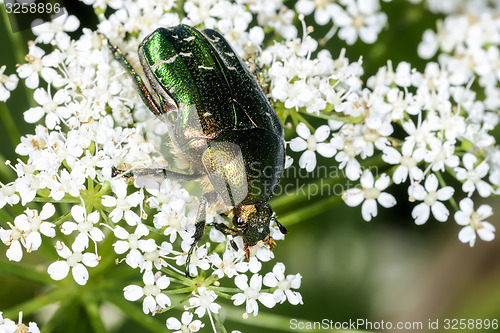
<point x="199" y="225"/>
<point x="143" y="90"/>
<point x="269" y="241"/>
<point x="156" y="173"/>
<point x="247" y="251"/>
<point x="224" y="229"/>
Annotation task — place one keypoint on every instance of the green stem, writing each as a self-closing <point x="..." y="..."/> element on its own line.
<point x="67" y="200"/>
<point x="5" y="216"/>
<point x="452" y="201"/>
<point x="219" y="322"/>
<point x="5" y="171"/>
<point x="310" y="211"/>
<point x="179" y="291"/>
<point x="92" y="309"/>
<point x="62" y="219"/>
<point x="26" y="272"/>
<point x="9" y="124"/>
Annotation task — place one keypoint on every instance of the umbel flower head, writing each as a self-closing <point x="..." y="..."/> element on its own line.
<point x="427" y="130"/>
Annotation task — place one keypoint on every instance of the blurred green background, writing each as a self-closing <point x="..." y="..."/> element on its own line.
<point x="388" y="269"/>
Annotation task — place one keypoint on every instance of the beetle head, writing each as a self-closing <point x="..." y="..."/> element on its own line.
<point x="253" y="224"/>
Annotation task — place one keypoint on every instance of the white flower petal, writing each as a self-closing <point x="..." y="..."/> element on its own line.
<point x="326" y="149"/>
<point x="121" y="247"/>
<point x="420" y="213"/>
<point x="163" y="300"/>
<point x="367" y="179"/>
<point x="270" y="280"/>
<point x="174" y="323"/>
<point x="308" y="160"/>
<point x="148" y="278"/>
<point x="303" y="131"/>
<point x="440" y="211"/>
<point x="431" y="183"/>
<point x="353" y="197"/>
<point x="467" y="235"/>
<point x="445" y="193"/>
<point x="485" y="211"/>
<point x="68" y="227"/>
<point x="90" y="259"/>
<point x="15" y="251"/>
<point x="369" y="209"/>
<point x="241" y="281"/>
<point x="163" y="282"/>
<point x="386" y="200"/>
<point x="80" y="274"/>
<point x="486" y="233"/>
<point x="58" y="270"/>
<point x="298" y="144"/>
<point x="149" y="304"/>
<point x="267" y="299"/>
<point x="256" y="282"/>
<point x="238" y="299"/>
<point x="132" y="292"/>
<point x="322" y="133"/>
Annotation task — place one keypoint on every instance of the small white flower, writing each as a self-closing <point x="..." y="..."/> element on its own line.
<point x="407" y="160"/>
<point x="27" y="231"/>
<point x="123" y="204"/>
<point x="360" y="18"/>
<point x="431" y="197"/>
<point x="441" y="154"/>
<point x="251" y="293"/>
<point x="85" y="225"/>
<point x="322" y="10"/>
<point x="472" y="175"/>
<point x="154" y="299"/>
<point x="156" y="258"/>
<point x="371" y="193"/>
<point x="133" y="243"/>
<point x="231" y="263"/>
<point x="7" y="84"/>
<point x="185" y="325"/>
<point x="203" y="301"/>
<point x="51" y="106"/>
<point x="473" y="222"/>
<point x="277" y="279"/>
<point x="8" y="195"/>
<point x="311" y="143"/>
<point x="54" y="30"/>
<point x="429" y="45"/>
<point x="199" y="258"/>
<point x="75" y="261"/>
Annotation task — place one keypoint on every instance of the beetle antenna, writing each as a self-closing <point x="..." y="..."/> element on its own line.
<point x="282" y="228"/>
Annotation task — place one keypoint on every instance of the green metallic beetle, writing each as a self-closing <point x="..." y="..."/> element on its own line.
<point x="220" y="121"/>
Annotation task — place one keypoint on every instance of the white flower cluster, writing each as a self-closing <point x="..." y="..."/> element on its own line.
<point x="429" y="127"/>
<point x="89" y="119"/>
<point x="352" y="18"/>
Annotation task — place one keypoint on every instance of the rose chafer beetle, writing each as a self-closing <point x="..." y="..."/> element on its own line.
<point x="220" y="121"/>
